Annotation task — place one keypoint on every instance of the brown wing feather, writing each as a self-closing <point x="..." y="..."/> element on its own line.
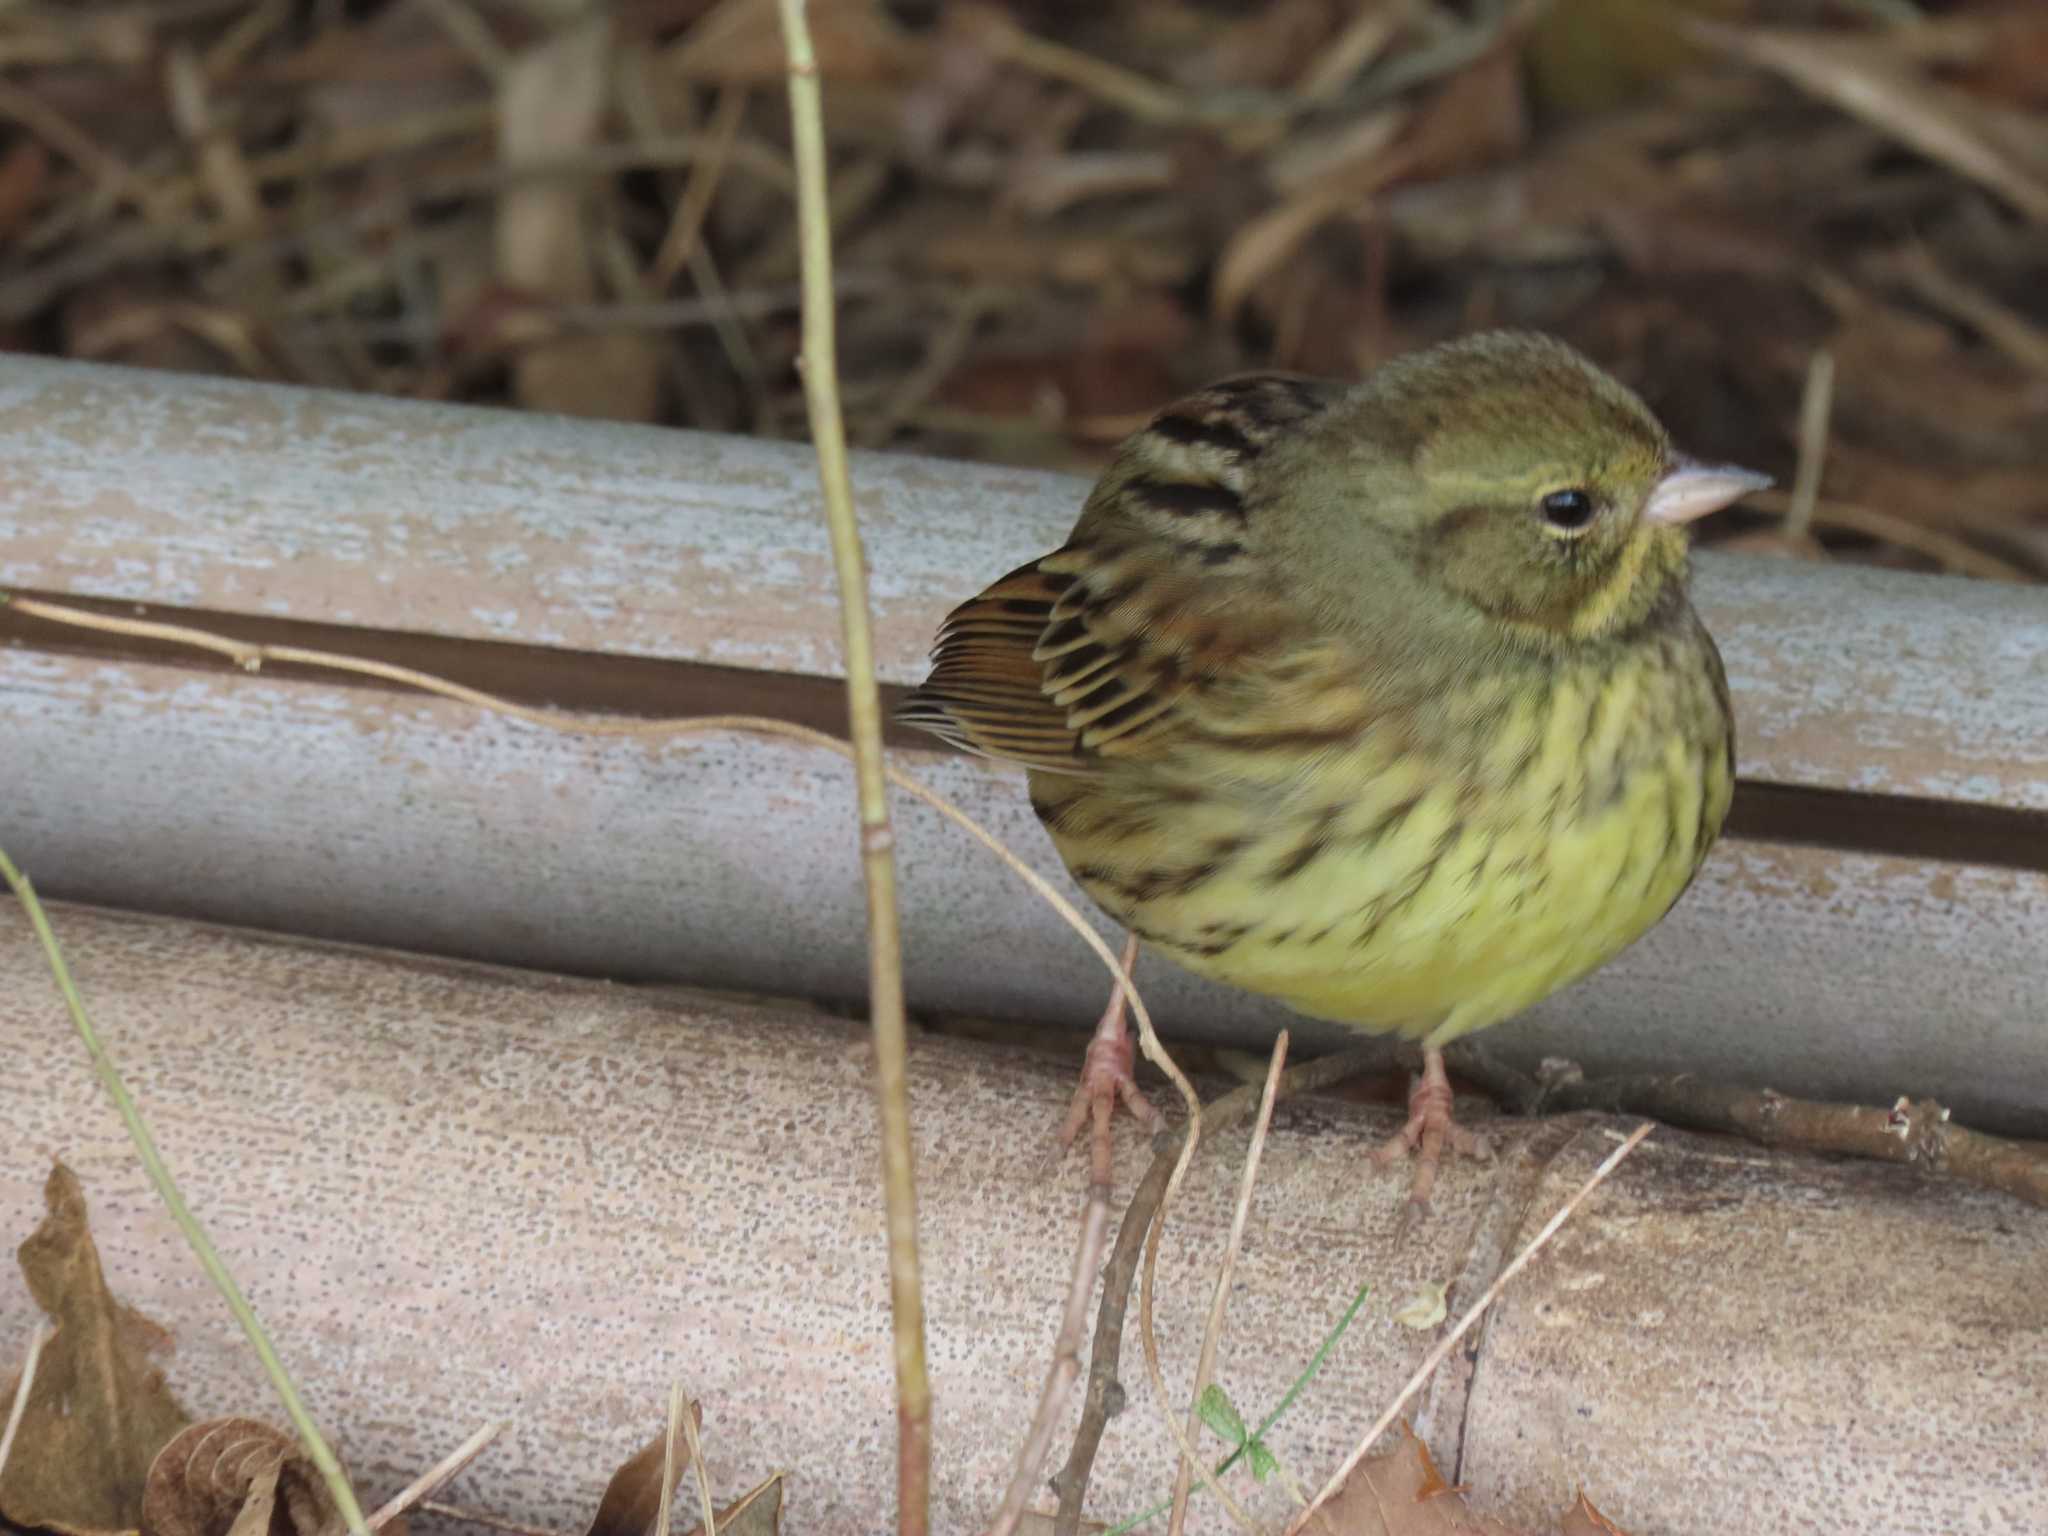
<point x="1087" y="653"/>
<point x="986" y="693"/>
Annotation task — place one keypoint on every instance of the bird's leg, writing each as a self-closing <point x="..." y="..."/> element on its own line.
<point x="1106" y="1078"/>
<point x="1429" y="1127"/>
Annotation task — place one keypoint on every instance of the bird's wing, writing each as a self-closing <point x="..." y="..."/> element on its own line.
<point x="1105" y="648"/>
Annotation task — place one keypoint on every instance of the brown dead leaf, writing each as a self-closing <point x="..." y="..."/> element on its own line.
<point x="1403" y="1494"/>
<point x="633" y="1496"/>
<point x="98" y="1411"/>
<point x="227" y="1477"/>
<point x="1582" y="1519"/>
<point x="756" y="1513"/>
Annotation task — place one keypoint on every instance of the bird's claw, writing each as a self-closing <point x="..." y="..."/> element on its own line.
<point x="1429" y="1129"/>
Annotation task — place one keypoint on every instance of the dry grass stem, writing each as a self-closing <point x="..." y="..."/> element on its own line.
<point x="436" y="1477"/>
<point x="819" y="365"/>
<point x="703" y="1473"/>
<point x="23" y="1384"/>
<point x="1066" y="1363"/>
<point x="1449" y="1341"/>
<point x="664" y="1506"/>
<point x="1815" y="405"/>
<point x="1205" y="1366"/>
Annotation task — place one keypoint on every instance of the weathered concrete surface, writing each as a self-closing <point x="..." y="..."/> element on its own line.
<point x="459" y="1193"/>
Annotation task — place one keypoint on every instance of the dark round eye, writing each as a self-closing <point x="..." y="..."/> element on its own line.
<point x="1570" y="510"/>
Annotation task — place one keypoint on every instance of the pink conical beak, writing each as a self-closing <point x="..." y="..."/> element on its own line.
<point x="1692" y="490"/>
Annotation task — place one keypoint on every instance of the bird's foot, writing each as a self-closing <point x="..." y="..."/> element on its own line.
<point x="1107" y="1079"/>
<point x="1430" y="1128"/>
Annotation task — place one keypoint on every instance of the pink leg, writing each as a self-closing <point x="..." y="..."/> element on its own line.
<point x="1106" y="1077"/>
<point x="1429" y="1127"/>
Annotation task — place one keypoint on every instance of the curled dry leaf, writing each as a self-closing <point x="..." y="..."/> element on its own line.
<point x="633" y="1496"/>
<point x="98" y="1411"/>
<point x="235" y="1476"/>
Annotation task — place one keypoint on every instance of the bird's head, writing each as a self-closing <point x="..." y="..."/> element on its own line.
<point x="1510" y="480"/>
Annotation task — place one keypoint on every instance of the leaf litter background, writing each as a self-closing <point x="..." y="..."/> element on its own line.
<point x="1055" y="215"/>
<point x="1052" y="217"/>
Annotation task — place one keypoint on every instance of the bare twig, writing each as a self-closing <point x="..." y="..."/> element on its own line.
<point x="1815" y="406"/>
<point x="1449" y="1342"/>
<point x="820" y="369"/>
<point x="1205" y="1366"/>
<point x="22" y="1385"/>
<point x="1914" y="1132"/>
<point x="1148" y="1336"/>
<point x="436" y="1477"/>
<point x="1066" y="1363"/>
<point x="174" y="1200"/>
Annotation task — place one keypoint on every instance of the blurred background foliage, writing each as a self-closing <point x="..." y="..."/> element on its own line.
<point x="1814" y="233"/>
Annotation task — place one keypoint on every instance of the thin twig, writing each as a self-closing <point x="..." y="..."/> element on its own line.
<point x="1449" y="1341"/>
<point x="1206" y="1364"/>
<point x="664" y="1506"/>
<point x="27" y="1379"/>
<point x="690" y="1433"/>
<point x="1149" y="1337"/>
<point x="1918" y="1133"/>
<point x="174" y="1201"/>
<point x="436" y="1477"/>
<point x="819" y="366"/>
<point x="700" y="190"/>
<point x="1066" y="1363"/>
<point x="1815" y="406"/>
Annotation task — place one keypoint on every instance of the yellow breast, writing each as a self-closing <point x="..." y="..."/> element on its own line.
<point x="1431" y="884"/>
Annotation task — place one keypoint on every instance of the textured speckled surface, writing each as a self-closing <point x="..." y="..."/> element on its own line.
<point x="490" y="524"/>
<point x="459" y="1193"/>
<point x="730" y="862"/>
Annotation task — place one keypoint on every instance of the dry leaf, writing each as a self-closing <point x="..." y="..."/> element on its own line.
<point x="756" y="1513"/>
<point x="227" y="1477"/>
<point x="1425" y="1309"/>
<point x="1403" y="1494"/>
<point x="1582" y="1519"/>
<point x="98" y="1411"/>
<point x="633" y="1496"/>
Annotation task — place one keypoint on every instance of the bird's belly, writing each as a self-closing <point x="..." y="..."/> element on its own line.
<point x="1433" y="904"/>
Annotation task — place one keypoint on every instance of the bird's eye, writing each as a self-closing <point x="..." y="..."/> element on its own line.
<point x="1568" y="510"/>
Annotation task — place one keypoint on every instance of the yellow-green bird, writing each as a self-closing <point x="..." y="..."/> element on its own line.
<point x="1383" y="699"/>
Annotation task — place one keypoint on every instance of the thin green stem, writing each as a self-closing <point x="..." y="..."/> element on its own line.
<point x="167" y="1190"/>
<point x="1308" y="1374"/>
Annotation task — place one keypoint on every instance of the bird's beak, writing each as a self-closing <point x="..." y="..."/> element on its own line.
<point x="1692" y="490"/>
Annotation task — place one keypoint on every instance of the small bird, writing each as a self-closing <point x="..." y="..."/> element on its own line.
<point x="1383" y="699"/>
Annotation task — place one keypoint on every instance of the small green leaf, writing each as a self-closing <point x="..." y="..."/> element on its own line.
<point x="1220" y="1414"/>
<point x="1264" y="1464"/>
